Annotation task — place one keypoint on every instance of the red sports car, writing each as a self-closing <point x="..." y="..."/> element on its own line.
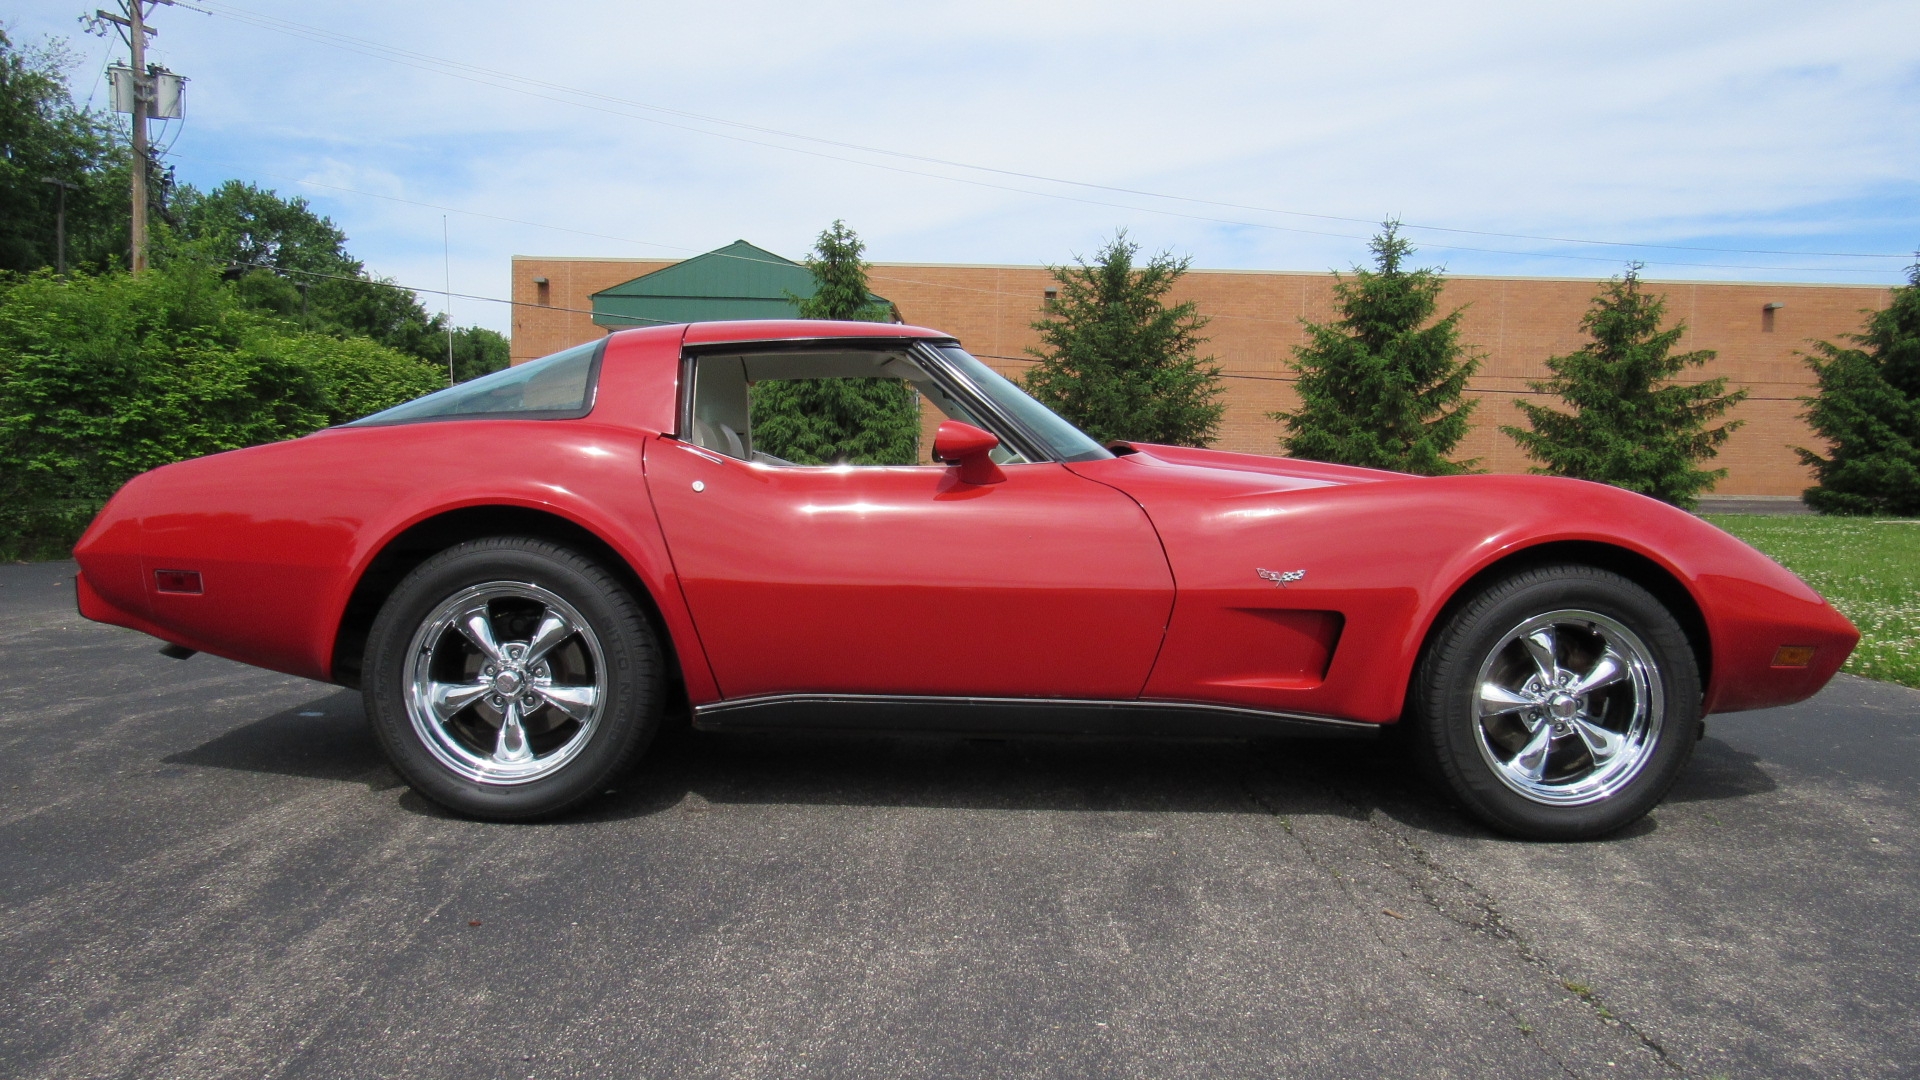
<point x="521" y="571"/>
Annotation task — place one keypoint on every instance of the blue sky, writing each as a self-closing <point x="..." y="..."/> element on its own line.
<point x="1738" y="141"/>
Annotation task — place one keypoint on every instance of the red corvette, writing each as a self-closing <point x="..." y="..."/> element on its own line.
<point x="519" y="571"/>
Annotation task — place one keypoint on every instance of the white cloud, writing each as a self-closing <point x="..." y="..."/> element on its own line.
<point x="1748" y="125"/>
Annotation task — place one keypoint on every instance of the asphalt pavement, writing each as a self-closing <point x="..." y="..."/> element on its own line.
<point x="207" y="871"/>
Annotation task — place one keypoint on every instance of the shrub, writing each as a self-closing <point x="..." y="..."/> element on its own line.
<point x="103" y="377"/>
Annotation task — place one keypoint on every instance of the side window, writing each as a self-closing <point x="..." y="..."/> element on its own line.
<point x="551" y="388"/>
<point x="854" y="407"/>
<point x="722" y="416"/>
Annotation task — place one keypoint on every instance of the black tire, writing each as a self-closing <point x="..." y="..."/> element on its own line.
<point x="1541" y="770"/>
<point x="432" y="689"/>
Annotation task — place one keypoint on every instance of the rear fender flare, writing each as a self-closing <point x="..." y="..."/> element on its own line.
<point x="410" y="540"/>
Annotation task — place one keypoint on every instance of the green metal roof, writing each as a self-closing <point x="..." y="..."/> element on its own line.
<point x="739" y="281"/>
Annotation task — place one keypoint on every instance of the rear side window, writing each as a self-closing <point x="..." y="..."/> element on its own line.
<point x="557" y="387"/>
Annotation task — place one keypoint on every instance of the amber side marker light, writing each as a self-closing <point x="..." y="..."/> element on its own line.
<point x="177" y="581"/>
<point x="1793" y="656"/>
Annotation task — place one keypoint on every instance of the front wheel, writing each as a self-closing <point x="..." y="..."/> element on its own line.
<point x="511" y="678"/>
<point x="1558" y="704"/>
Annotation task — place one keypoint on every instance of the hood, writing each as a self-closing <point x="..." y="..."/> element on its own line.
<point x="1306" y="473"/>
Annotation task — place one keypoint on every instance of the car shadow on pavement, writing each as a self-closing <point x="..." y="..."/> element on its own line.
<point x="328" y="739"/>
<point x="967" y="773"/>
<point x="324" y="739"/>
<point x="1718" y="771"/>
<point x="1354" y="778"/>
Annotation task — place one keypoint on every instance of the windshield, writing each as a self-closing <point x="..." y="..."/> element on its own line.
<point x="1067" y="442"/>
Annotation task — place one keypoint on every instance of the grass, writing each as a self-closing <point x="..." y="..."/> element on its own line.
<point x="1869" y="568"/>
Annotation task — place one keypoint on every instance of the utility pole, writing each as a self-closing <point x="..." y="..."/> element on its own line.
<point x="135" y="31"/>
<point x="60" y="224"/>
<point x="136" y="11"/>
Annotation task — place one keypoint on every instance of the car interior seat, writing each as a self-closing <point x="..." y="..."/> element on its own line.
<point x="721" y="418"/>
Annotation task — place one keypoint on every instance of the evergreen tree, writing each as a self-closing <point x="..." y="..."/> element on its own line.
<point x="1380" y="386"/>
<point x="1117" y="361"/>
<point x="840" y="280"/>
<point x="1631" y="425"/>
<point x="820" y="421"/>
<point x="1868" y="410"/>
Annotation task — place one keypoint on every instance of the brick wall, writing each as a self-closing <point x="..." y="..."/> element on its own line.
<point x="559" y="314"/>
<point x="1515" y="322"/>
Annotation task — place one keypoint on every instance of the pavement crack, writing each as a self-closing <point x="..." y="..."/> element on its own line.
<point x="1345" y="883"/>
<point x="1489" y="921"/>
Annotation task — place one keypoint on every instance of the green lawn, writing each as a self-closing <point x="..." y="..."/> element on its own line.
<point x="1869" y="568"/>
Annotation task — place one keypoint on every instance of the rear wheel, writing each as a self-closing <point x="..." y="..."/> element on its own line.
<point x="1560" y="703"/>
<point x="511" y="678"/>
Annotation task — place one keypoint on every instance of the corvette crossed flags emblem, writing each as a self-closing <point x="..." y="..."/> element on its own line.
<point x="1282" y="578"/>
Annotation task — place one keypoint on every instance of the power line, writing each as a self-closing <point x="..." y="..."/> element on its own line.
<point x="325" y="36"/>
<point x="453" y="209"/>
<point x="882" y="277"/>
<point x="1466" y="389"/>
<point x="494" y="77"/>
<point x="628" y="239"/>
<point x="385" y="284"/>
<point x="984" y="356"/>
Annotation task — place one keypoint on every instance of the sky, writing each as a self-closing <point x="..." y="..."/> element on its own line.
<point x="1718" y="141"/>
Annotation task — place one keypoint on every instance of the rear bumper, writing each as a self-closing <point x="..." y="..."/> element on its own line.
<point x="94" y="606"/>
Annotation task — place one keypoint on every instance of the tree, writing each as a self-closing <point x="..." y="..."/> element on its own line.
<point x="254" y="228"/>
<point x="1631" y="425"/>
<point x="44" y="136"/>
<point x="1380" y="386"/>
<point x="1868" y="410"/>
<point x="818" y="421"/>
<point x="286" y="258"/>
<point x="1117" y="360"/>
<point x="478" y="351"/>
<point x="840" y="288"/>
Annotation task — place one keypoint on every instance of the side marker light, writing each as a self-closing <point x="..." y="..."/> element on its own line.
<point x="177" y="581"/>
<point x="1793" y="656"/>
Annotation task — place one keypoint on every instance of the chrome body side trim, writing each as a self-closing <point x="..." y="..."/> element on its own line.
<point x="1012" y="716"/>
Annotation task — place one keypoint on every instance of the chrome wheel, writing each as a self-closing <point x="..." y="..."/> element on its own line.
<point x="1568" y="708"/>
<point x="506" y="683"/>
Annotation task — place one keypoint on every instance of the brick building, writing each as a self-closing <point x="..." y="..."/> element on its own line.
<point x="1758" y="330"/>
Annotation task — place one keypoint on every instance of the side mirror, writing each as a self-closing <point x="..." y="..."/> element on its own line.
<point x="967" y="446"/>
